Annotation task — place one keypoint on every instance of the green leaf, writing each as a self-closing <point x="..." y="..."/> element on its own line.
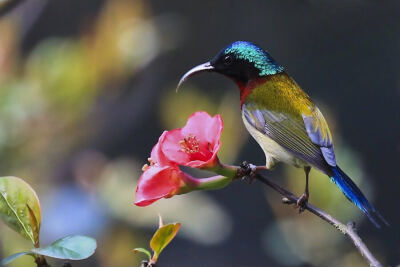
<point x="12" y="257"/>
<point x="75" y="247"/>
<point x="143" y="250"/>
<point x="35" y="225"/>
<point x="162" y="237"/>
<point x="20" y="207"/>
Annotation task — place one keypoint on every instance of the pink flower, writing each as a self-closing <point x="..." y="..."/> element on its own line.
<point x="157" y="157"/>
<point x="196" y="144"/>
<point x="161" y="179"/>
<point x="158" y="182"/>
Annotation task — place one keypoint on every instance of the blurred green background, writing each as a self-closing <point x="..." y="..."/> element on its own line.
<point x="86" y="88"/>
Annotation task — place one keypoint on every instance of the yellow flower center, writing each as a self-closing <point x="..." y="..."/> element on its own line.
<point x="190" y="144"/>
<point x="146" y="166"/>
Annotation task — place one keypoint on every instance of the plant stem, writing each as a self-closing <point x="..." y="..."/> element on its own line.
<point x="349" y="229"/>
<point x="147" y="264"/>
<point x="209" y="183"/>
<point x="41" y="261"/>
<point x="224" y="170"/>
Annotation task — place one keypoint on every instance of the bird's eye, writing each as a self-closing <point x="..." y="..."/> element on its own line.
<point x="228" y="60"/>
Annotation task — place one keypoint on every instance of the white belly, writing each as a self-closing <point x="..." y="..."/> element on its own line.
<point x="272" y="150"/>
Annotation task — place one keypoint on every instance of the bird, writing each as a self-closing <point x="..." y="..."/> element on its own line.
<point x="283" y="119"/>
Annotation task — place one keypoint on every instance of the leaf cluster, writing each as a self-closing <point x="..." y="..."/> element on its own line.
<point x="20" y="209"/>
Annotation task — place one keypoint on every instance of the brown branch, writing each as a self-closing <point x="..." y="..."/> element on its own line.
<point x="41" y="261"/>
<point x="349" y="230"/>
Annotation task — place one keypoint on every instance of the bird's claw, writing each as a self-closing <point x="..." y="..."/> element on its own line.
<point x="247" y="170"/>
<point x="302" y="202"/>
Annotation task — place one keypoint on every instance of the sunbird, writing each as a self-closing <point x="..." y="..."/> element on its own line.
<point x="282" y="118"/>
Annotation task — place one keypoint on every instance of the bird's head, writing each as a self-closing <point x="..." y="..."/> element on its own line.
<point x="241" y="61"/>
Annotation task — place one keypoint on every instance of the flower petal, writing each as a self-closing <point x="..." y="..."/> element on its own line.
<point x="157" y="182"/>
<point x="214" y="129"/>
<point x="172" y="149"/>
<point x="197" y="125"/>
<point x="157" y="156"/>
<point x="197" y="143"/>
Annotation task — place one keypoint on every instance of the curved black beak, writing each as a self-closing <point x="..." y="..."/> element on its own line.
<point x="200" y="68"/>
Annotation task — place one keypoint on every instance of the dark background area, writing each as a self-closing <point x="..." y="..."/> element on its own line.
<point x="344" y="54"/>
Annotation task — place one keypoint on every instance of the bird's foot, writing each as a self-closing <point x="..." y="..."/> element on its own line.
<point x="302" y="202"/>
<point x="247" y="170"/>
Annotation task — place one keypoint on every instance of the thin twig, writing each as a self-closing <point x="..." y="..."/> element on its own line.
<point x="349" y="229"/>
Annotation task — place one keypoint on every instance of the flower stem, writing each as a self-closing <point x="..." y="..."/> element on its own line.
<point x="214" y="182"/>
<point x="225" y="170"/>
<point x="209" y="183"/>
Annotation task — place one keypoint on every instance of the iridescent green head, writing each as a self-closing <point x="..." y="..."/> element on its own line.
<point x="241" y="61"/>
<point x="244" y="61"/>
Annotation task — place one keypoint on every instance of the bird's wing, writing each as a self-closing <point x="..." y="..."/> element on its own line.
<point x="318" y="131"/>
<point x="308" y="139"/>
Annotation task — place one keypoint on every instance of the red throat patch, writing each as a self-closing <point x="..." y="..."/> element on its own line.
<point x="246" y="89"/>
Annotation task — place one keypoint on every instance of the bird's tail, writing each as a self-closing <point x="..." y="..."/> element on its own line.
<point x="354" y="194"/>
